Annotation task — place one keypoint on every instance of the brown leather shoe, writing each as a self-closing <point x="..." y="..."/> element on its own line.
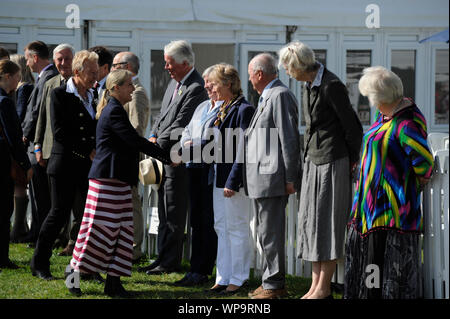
<point x="271" y="294"/>
<point x="67" y="251"/>
<point x="255" y="292"/>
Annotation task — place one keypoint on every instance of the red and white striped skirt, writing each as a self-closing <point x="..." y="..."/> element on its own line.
<point x="105" y="240"/>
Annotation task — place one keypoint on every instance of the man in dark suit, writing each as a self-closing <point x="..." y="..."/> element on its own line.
<point x="73" y="122"/>
<point x="183" y="94"/>
<point x="37" y="56"/>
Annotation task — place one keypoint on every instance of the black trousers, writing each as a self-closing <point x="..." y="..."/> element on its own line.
<point x="39" y="198"/>
<point x="204" y="237"/>
<point x="6" y="200"/>
<point x="63" y="188"/>
<point x="172" y="213"/>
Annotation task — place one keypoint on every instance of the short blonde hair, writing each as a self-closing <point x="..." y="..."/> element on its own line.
<point x="227" y="74"/>
<point x="380" y="85"/>
<point x="297" y="56"/>
<point x="80" y="57"/>
<point x="116" y="77"/>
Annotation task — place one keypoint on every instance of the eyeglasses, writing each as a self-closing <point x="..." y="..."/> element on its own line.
<point x="120" y="63"/>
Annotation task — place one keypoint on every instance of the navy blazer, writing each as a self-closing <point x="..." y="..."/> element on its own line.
<point x="73" y="134"/>
<point x="118" y="145"/>
<point x="23" y="94"/>
<point x="229" y="170"/>
<point x="10" y="124"/>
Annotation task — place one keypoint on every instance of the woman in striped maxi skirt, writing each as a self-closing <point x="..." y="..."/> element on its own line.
<point x="105" y="239"/>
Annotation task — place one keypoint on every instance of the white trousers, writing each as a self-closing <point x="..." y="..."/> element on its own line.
<point x="232" y="225"/>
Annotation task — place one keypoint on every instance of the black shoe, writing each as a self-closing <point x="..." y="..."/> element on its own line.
<point x="114" y="288"/>
<point x="75" y="291"/>
<point x="150" y="267"/>
<point x="42" y="274"/>
<point x="195" y="279"/>
<point x="240" y="289"/>
<point x="183" y="280"/>
<point x="159" y="270"/>
<point x="8" y="264"/>
<point x="216" y="290"/>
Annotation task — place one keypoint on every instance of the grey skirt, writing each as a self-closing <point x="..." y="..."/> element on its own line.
<point x="325" y="203"/>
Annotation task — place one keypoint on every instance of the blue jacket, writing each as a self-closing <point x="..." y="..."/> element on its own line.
<point x="118" y="145"/>
<point x="230" y="147"/>
<point x="10" y="123"/>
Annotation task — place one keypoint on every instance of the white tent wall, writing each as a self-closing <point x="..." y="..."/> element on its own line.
<point x="340" y="13"/>
<point x="243" y="28"/>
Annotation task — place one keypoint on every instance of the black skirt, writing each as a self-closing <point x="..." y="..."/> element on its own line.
<point x="384" y="264"/>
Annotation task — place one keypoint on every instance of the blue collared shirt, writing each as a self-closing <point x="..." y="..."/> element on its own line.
<point x="318" y="79"/>
<point x="71" y="88"/>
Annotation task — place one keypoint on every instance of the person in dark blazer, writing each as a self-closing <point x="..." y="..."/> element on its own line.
<point x="73" y="123"/>
<point x="37" y="55"/>
<point x="184" y="93"/>
<point x="332" y="142"/>
<point x="114" y="170"/>
<point x="231" y="205"/>
<point x="11" y="146"/>
<point x="23" y="92"/>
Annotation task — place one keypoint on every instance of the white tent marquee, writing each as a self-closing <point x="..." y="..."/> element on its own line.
<point x="339" y="13"/>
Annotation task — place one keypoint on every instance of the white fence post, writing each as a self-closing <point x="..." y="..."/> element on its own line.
<point x="436" y="230"/>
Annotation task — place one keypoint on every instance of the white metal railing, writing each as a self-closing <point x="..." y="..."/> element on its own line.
<point x="435" y="240"/>
<point x="436" y="230"/>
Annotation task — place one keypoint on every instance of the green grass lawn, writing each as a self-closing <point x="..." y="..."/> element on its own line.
<point x="20" y="284"/>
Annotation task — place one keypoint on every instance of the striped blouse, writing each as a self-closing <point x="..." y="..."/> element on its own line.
<point x="395" y="153"/>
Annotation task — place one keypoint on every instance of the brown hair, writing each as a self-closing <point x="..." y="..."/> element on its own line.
<point x="39" y="48"/>
<point x="8" y="67"/>
<point x="227" y="74"/>
<point x="26" y="75"/>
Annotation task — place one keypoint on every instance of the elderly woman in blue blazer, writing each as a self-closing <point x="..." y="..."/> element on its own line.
<point x="105" y="240"/>
<point x="231" y="205"/>
<point x="11" y="147"/>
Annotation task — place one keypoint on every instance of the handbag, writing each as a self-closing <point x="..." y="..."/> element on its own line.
<point x="18" y="174"/>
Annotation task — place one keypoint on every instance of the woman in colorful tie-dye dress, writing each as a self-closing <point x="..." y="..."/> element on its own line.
<point x="382" y="250"/>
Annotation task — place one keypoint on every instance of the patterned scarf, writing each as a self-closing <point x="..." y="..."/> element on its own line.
<point x="224" y="108"/>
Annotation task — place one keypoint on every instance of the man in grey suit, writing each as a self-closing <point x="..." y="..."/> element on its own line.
<point x="270" y="179"/>
<point x="43" y="138"/>
<point x="183" y="94"/>
<point x="37" y="56"/>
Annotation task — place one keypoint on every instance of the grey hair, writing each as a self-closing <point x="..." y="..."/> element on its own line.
<point x="63" y="46"/>
<point x="208" y="70"/>
<point x="265" y="62"/>
<point x="180" y="51"/>
<point x="380" y="85"/>
<point x="132" y="60"/>
<point x="297" y="56"/>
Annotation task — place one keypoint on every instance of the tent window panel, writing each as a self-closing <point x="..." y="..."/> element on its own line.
<point x="403" y="63"/>
<point x="441" y="87"/>
<point x="357" y="61"/>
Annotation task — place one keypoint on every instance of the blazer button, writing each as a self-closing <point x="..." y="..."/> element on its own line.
<point x="81" y="128"/>
<point x="81" y="114"/>
<point x="83" y="139"/>
<point x="92" y="138"/>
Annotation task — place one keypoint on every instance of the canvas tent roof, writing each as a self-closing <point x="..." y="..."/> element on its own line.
<point x="338" y="13"/>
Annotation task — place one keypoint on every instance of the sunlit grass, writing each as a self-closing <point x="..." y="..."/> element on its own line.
<point x="20" y="284"/>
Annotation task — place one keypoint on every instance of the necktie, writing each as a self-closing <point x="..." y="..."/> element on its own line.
<point x="175" y="91"/>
